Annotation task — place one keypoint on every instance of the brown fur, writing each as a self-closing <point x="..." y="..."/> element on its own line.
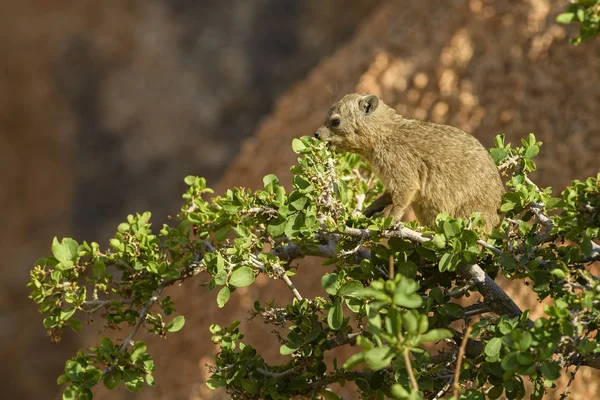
<point x="429" y="167"/>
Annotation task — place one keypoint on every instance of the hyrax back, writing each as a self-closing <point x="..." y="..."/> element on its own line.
<point x="429" y="167"/>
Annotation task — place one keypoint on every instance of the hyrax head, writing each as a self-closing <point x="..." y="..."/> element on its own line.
<point x="346" y="125"/>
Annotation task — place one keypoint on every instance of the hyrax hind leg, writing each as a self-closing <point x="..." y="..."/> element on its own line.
<point x="400" y="202"/>
<point x="379" y="204"/>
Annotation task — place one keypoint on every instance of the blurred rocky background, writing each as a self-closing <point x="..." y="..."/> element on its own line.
<point x="106" y="106"/>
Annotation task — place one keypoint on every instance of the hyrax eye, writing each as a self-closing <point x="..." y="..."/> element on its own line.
<point x="335" y="122"/>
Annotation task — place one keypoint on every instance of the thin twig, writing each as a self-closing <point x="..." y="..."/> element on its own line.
<point x="462" y="290"/>
<point x="281" y="274"/>
<point x="461" y="354"/>
<point x="444" y="389"/>
<point x="571" y="378"/>
<point x="141" y="318"/>
<point x="488" y="246"/>
<point x="411" y="373"/>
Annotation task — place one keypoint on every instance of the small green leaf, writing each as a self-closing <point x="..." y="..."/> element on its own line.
<point x="492" y="348"/>
<point x="215" y="383"/>
<point x="277" y="226"/>
<point x="139" y="349"/>
<point x="99" y="270"/>
<point x="91" y="377"/>
<point x="330" y="283"/>
<point x="379" y="357"/>
<point x="532" y="151"/>
<point x="313" y="334"/>
<point x="73" y="369"/>
<point x="298" y="146"/>
<point x="435" y="335"/>
<point x="176" y="324"/>
<point x="407" y="300"/>
<point x="565" y="18"/>
<point x="551" y="370"/>
<point x="66" y="251"/>
<point x="327" y="395"/>
<point x="498" y="155"/>
<point x="289" y="348"/>
<point x="75" y="324"/>
<point x="354" y="360"/>
<point x="70" y="393"/>
<point x="451" y="229"/>
<point x="133" y="380"/>
<point x="190" y="180"/>
<point x="242" y="277"/>
<point x="349" y="288"/>
<point x="222" y="233"/>
<point x="445" y="262"/>
<point x="335" y="317"/>
<point x="223" y="296"/>
<point x="61" y="380"/>
<point x="270" y="179"/>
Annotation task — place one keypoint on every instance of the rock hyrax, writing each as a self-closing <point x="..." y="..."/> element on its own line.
<point x="429" y="167"/>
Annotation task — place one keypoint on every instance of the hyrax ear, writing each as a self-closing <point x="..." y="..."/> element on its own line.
<point x="368" y="104"/>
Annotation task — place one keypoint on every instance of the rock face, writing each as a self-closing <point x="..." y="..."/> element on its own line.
<point x="107" y="105"/>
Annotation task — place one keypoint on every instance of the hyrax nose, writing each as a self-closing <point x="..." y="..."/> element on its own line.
<point x="317" y="134"/>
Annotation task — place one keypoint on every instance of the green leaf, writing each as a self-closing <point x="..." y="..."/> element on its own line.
<point x="498" y="155"/>
<point x="410" y="322"/>
<point x="99" y="270"/>
<point x="379" y="357"/>
<point x="439" y="241"/>
<point x="499" y="140"/>
<point x="223" y="296"/>
<point x="354" y="360"/>
<point x="277" y="226"/>
<point x="551" y="370"/>
<point x="298" y="146"/>
<point x="349" y="288"/>
<point x="492" y="348"/>
<point x="270" y="179"/>
<point x="330" y="283"/>
<point x="139" y="349"/>
<point x="313" y="334"/>
<point x="445" y="262"/>
<point x="73" y="369"/>
<point x="327" y="395"/>
<point x="150" y="380"/>
<point x="222" y="233"/>
<point x="289" y="348"/>
<point x="133" y="380"/>
<point x="70" y="393"/>
<point x="65" y="251"/>
<point x="407" y="300"/>
<point x="75" y="324"/>
<point x="242" y="277"/>
<point x="397" y="391"/>
<point x="435" y="335"/>
<point x="509" y="362"/>
<point x="107" y="345"/>
<point x="451" y="229"/>
<point x="216" y="382"/>
<point x="335" y="317"/>
<point x="91" y="377"/>
<point x="532" y="151"/>
<point x="176" y="324"/>
<point x="565" y="18"/>
<point x="61" y="380"/>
